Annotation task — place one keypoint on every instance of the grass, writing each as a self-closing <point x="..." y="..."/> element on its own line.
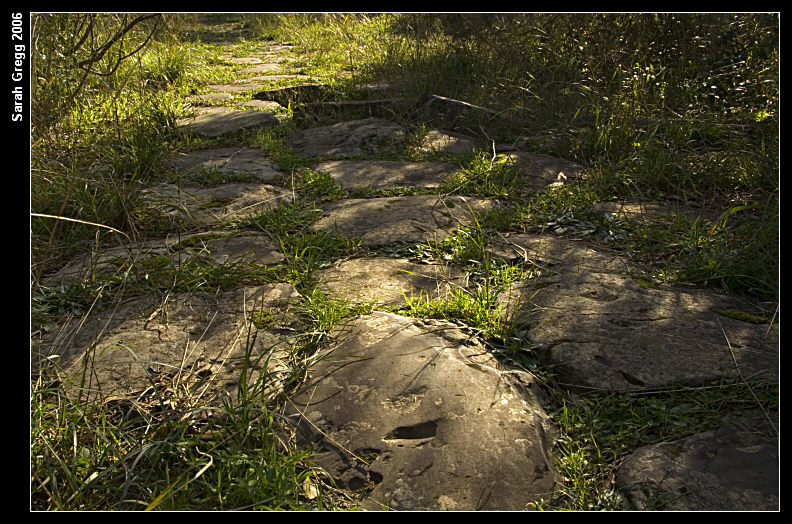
<point x="597" y="430"/>
<point x="678" y="110"/>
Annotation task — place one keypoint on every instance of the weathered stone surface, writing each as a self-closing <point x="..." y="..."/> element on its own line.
<point x="344" y="139"/>
<point x="387" y="280"/>
<point x="236" y="88"/>
<point x="223" y="247"/>
<point x="218" y="246"/>
<point x="448" y="142"/>
<point x="386" y="174"/>
<point x="557" y="253"/>
<point x="211" y="205"/>
<point x="233" y="160"/>
<point x="272" y="78"/>
<point x="216" y="121"/>
<point x="733" y="468"/>
<point x="244" y="60"/>
<point x="263" y="68"/>
<point x="262" y="105"/>
<point x="212" y="98"/>
<point x="410" y="219"/>
<point x="606" y="330"/>
<point x="540" y="170"/>
<point x="653" y="212"/>
<point x="419" y="416"/>
<point x="195" y="339"/>
<point x="111" y="261"/>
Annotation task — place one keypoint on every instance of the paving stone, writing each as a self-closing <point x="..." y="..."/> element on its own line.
<point x="224" y="247"/>
<point x="110" y="261"/>
<point x="386" y="174"/>
<point x="449" y="142"/>
<point x="244" y="59"/>
<point x="555" y="253"/>
<point x="388" y="280"/>
<point x="212" y="205"/>
<point x="236" y="88"/>
<point x="417" y="415"/>
<point x="346" y="139"/>
<point x="198" y="340"/>
<point x="263" y="68"/>
<point x="212" y="98"/>
<point x="609" y="331"/>
<point x="272" y="78"/>
<point x="232" y="160"/>
<point x="262" y="105"/>
<point x="732" y="468"/>
<point x="216" y="121"/>
<point x="409" y="219"/>
<point x="540" y="170"/>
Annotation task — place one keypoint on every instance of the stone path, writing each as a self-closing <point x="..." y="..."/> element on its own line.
<point x="417" y="414"/>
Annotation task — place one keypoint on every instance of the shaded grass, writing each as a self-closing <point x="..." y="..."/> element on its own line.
<point x="599" y="430"/>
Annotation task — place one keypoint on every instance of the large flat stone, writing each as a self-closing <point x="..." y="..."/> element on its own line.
<point x="346" y="139"/>
<point x="213" y="205"/>
<point x="608" y="331"/>
<point x="236" y="88"/>
<point x="387" y="280"/>
<point x="263" y="68"/>
<point x="386" y="174"/>
<point x="449" y="142"/>
<point x="556" y="253"/>
<point x="417" y="415"/>
<point x="217" y="121"/>
<point x="233" y="160"/>
<point x="408" y="219"/>
<point x="733" y="468"/>
<point x="224" y="247"/>
<point x="539" y="170"/>
<point x="197" y="340"/>
<point x="212" y="98"/>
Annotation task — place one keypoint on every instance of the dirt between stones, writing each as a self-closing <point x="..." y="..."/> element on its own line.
<point x="417" y="414"/>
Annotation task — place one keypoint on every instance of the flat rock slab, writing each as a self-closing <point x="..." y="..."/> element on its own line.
<point x="224" y="247"/>
<point x="218" y="247"/>
<point x="387" y="281"/>
<point x="407" y="219"/>
<point x="448" y="142"/>
<point x="236" y="88"/>
<point x="539" y="170"/>
<point x="608" y="331"/>
<point x="113" y="260"/>
<point x="556" y="253"/>
<point x="213" y="205"/>
<point x="263" y="68"/>
<point x="212" y="98"/>
<point x="262" y="105"/>
<point x="346" y="139"/>
<point x="217" y="121"/>
<point x="232" y="160"/>
<point x="195" y="339"/>
<point x="652" y="212"/>
<point x="386" y="174"/>
<point x="417" y="415"/>
<point x="733" y="468"/>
